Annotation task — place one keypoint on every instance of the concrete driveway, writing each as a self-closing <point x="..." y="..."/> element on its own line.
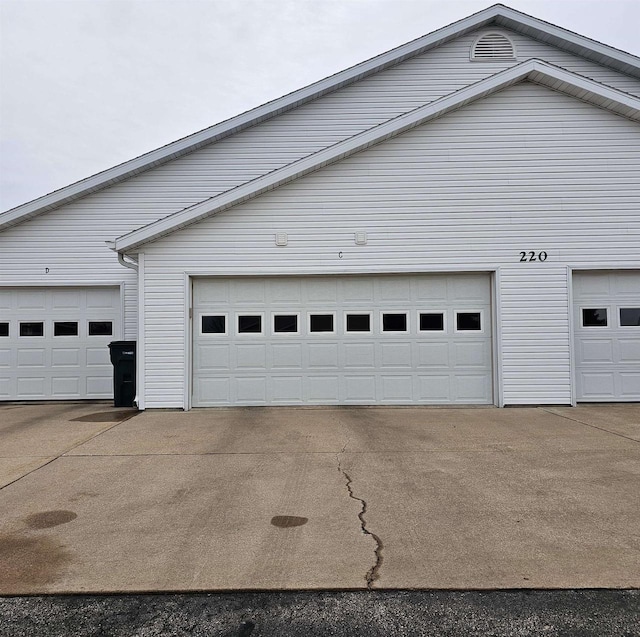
<point x="97" y="499"/>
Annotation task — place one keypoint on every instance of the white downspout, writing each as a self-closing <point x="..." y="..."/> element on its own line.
<point x="128" y="264"/>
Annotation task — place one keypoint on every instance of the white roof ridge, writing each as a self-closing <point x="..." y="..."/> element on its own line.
<point x="534" y="70"/>
<point x="505" y="16"/>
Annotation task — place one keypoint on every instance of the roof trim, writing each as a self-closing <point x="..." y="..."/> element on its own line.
<point x="534" y="70"/>
<point x="497" y="14"/>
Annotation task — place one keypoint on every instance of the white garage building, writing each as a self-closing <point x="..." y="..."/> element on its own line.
<point x="456" y="221"/>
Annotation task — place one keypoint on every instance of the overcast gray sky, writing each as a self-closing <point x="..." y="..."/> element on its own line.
<point x="88" y="84"/>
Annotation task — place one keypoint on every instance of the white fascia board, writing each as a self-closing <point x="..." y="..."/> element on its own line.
<point x="568" y="40"/>
<point x="498" y="14"/>
<point x="535" y="70"/>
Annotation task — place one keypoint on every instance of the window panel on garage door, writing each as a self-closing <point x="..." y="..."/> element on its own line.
<point x="343" y="340"/>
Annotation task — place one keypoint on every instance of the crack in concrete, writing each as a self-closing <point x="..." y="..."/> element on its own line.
<point x="374" y="572"/>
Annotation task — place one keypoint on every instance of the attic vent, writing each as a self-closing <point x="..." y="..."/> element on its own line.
<point x="493" y="46"/>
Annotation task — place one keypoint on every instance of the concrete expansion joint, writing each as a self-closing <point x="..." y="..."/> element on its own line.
<point x="374" y="572"/>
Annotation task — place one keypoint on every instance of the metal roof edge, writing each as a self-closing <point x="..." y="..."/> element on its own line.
<point x="536" y="70"/>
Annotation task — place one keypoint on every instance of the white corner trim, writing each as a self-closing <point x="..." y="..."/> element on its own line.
<point x="535" y="70"/>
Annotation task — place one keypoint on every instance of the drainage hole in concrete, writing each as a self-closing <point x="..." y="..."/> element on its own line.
<point x="287" y="521"/>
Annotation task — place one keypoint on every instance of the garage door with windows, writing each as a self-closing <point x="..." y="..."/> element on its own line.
<point x="410" y="339"/>
<point x="54" y="342"/>
<point x="607" y="335"/>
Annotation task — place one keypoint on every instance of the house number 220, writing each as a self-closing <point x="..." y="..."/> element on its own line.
<point x="533" y="256"/>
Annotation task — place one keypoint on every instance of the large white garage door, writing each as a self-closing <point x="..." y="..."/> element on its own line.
<point x="342" y="340"/>
<point x="54" y="342"/>
<point x="607" y="335"/>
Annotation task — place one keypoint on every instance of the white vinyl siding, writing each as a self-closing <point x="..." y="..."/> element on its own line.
<point x="48" y="251"/>
<point x="525" y="169"/>
<point x="70" y="240"/>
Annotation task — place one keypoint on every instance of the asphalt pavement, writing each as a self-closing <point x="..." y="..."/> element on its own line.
<point x="584" y="613"/>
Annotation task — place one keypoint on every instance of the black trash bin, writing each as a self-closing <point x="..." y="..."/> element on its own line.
<point x="123" y="358"/>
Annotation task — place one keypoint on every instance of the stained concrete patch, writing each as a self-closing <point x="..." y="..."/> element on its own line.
<point x="288" y="521"/>
<point x="29" y="563"/>
<point x="278" y="430"/>
<point x="50" y="429"/>
<point x="107" y="416"/>
<point x="48" y="519"/>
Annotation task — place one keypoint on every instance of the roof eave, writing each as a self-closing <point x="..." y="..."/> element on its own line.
<point x="534" y="70"/>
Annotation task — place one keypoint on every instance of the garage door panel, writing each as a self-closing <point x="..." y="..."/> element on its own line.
<point x="59" y="364"/>
<point x="323" y="355"/>
<point x="357" y="290"/>
<point x="434" y="389"/>
<point x="360" y="388"/>
<point x="596" y="351"/>
<point x="68" y="300"/>
<point x="322" y="389"/>
<point x="397" y="389"/>
<point x="251" y="389"/>
<point x="5" y="358"/>
<point x="287" y="389"/>
<point x="31" y="300"/>
<point x="251" y="356"/>
<point x="433" y="354"/>
<point x="286" y="356"/>
<point x="98" y="356"/>
<point x="213" y="357"/>
<point x="597" y="385"/>
<point x="389" y="291"/>
<point x="629" y="350"/>
<point x="321" y="292"/>
<point x="359" y="355"/>
<point x="471" y="353"/>
<point x="66" y="386"/>
<point x="628" y="285"/>
<point x="30" y="387"/>
<point x="431" y="289"/>
<point x="630" y="385"/>
<point x="248" y="292"/>
<point x="32" y="357"/>
<point x="607" y="354"/>
<point x="285" y="291"/>
<point x="213" y="391"/>
<point x="469" y="289"/>
<point x="65" y="357"/>
<point x="396" y="355"/>
<point x="373" y="367"/>
<point x="470" y="388"/>
<point x="100" y="386"/>
<point x="6" y="388"/>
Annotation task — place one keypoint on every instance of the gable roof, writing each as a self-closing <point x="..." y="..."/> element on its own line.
<point x="498" y="14"/>
<point x="536" y="71"/>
